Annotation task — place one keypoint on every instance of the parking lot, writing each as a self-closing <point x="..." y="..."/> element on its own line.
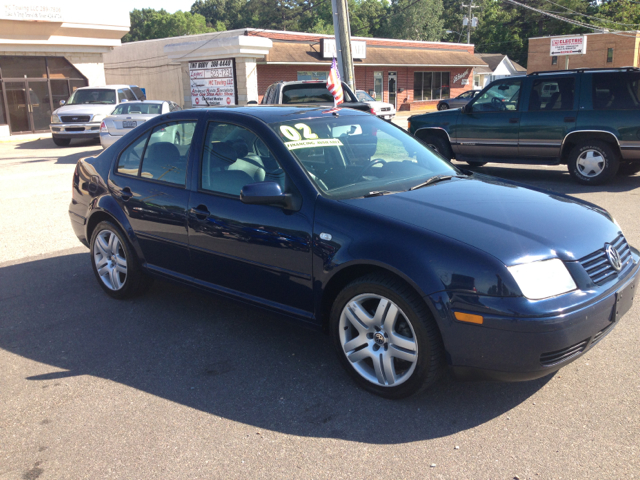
<point x="178" y="384"/>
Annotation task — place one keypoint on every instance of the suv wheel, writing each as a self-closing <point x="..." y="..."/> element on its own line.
<point x="61" y="142"/>
<point x="439" y="145"/>
<point x="385" y="337"/>
<point x="593" y="162"/>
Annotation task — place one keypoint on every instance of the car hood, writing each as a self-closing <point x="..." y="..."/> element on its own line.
<point x="511" y="222"/>
<point x="378" y="105"/>
<point x="85" y="109"/>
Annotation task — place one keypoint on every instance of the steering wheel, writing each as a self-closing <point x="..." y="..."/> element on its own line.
<point x="498" y="104"/>
<point x="373" y="162"/>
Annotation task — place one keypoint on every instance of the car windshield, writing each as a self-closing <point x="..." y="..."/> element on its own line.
<point x="138" y="108"/>
<point x="356" y="156"/>
<point x="364" y="96"/>
<point x="93" y="95"/>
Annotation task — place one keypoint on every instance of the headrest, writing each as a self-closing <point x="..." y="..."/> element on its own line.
<point x="222" y="154"/>
<point x="163" y="150"/>
<point x="241" y="148"/>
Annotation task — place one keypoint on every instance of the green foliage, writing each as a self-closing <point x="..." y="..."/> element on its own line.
<point x="147" y="24"/>
<point x="621" y="11"/>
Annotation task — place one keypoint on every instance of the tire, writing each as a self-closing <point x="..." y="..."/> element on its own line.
<point x="443" y="106"/>
<point x="629" y="168"/>
<point x="476" y="164"/>
<point x="391" y="314"/>
<point x="593" y="162"/>
<point x="61" y="142"/>
<point x="440" y="145"/>
<point x="111" y="251"/>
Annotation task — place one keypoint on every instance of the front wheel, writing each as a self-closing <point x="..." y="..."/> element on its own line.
<point x="61" y="142"/>
<point x="115" y="263"/>
<point x="593" y="163"/>
<point x="443" y="106"/>
<point x="439" y="145"/>
<point x="385" y="337"/>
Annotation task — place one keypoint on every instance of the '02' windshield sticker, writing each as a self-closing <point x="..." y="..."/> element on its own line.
<point x="321" y="142"/>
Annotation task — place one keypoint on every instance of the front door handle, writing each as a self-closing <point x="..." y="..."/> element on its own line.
<point x="569" y="119"/>
<point x="201" y="212"/>
<point x="513" y="120"/>
<point x="126" y="194"/>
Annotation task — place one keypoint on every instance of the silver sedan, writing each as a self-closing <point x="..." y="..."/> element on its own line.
<point x="129" y="115"/>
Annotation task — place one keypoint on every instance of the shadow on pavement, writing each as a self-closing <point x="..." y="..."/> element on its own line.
<point x="220" y="357"/>
<point x="556" y="179"/>
<point x="89" y="148"/>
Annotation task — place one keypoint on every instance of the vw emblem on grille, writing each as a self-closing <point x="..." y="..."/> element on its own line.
<point x="613" y="256"/>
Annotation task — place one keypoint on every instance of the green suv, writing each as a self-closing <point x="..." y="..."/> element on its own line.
<point x="588" y="119"/>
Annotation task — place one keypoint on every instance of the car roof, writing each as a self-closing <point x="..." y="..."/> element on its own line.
<point x="145" y="101"/>
<point x="279" y="113"/>
<point x="109" y="87"/>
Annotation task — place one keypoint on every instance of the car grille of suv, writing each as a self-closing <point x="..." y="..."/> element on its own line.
<point x="598" y="266"/>
<point x="75" y="118"/>
<point x="385" y="109"/>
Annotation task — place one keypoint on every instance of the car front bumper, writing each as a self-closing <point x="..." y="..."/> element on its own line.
<point x="75" y="130"/>
<point x="516" y="349"/>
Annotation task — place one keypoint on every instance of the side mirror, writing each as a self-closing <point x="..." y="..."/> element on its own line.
<point x="267" y="193"/>
<point x="124" y="100"/>
<point x="62" y="102"/>
<point x="467" y="108"/>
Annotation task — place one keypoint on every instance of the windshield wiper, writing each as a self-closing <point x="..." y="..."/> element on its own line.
<point x="435" y="179"/>
<point x="378" y="193"/>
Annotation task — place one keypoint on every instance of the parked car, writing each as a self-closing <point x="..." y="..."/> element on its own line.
<point x="459" y="101"/>
<point x="129" y="115"/>
<point x="587" y="119"/>
<point x="310" y="92"/>
<point x="383" y="110"/>
<point x="81" y="115"/>
<point x="348" y="223"/>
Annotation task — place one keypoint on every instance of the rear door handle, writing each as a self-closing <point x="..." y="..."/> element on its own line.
<point x="569" y="119"/>
<point x="201" y="212"/>
<point x="513" y="120"/>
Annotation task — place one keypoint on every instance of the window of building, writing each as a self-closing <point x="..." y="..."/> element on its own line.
<point x="3" y="118"/>
<point x="609" y="55"/>
<point x="552" y="94"/>
<point x="18" y="67"/>
<point x="377" y="86"/>
<point x="554" y="60"/>
<point x="476" y="81"/>
<point x="312" y="75"/>
<point x="430" y="85"/>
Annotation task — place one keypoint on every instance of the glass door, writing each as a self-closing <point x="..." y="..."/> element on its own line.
<point x="393" y="79"/>
<point x="39" y="105"/>
<point x="18" y="106"/>
<point x="377" y="86"/>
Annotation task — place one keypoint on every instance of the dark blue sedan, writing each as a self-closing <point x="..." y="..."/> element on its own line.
<point x="346" y="222"/>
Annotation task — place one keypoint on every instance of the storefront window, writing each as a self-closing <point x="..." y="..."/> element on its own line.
<point x="431" y="85"/>
<point x="377" y="85"/>
<point x="60" y="68"/>
<point x="3" y="118"/>
<point x="18" y="67"/>
<point x="312" y="76"/>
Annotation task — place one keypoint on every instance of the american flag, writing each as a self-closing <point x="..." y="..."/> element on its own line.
<point x="334" y="85"/>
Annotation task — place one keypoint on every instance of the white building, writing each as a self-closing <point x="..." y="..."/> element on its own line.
<point x="49" y="48"/>
<point x="498" y="66"/>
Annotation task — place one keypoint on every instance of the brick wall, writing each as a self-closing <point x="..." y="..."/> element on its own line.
<point x="268" y="74"/>
<point x="625" y="53"/>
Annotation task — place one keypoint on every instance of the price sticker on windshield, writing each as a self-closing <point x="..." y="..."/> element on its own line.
<point x="321" y="142"/>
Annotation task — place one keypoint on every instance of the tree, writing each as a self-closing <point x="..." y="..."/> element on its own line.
<point x="147" y="24"/>
<point x="415" y="20"/>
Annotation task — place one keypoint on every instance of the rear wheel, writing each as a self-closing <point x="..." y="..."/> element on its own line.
<point x="115" y="263"/>
<point x="385" y="337"/>
<point x="593" y="162"/>
<point x="61" y="142"/>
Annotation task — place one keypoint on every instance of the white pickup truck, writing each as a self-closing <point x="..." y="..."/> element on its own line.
<point x="81" y="115"/>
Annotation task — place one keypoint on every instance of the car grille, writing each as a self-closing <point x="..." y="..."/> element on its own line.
<point x="549" y="359"/>
<point x="74" y="129"/>
<point x="75" y="118"/>
<point x="597" y="264"/>
<point x="385" y="109"/>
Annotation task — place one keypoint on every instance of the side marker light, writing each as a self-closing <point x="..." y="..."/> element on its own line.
<point x="469" y="318"/>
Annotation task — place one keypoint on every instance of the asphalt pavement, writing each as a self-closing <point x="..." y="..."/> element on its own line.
<point x="183" y="385"/>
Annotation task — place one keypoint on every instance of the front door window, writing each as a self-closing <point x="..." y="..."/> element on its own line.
<point x="503" y="96"/>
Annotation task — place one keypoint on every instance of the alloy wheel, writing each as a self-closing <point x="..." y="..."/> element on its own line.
<point x="110" y="260"/>
<point x="590" y="163"/>
<point x="378" y="340"/>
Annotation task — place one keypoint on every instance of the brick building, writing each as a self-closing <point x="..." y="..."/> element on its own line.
<point x="603" y="50"/>
<point x="411" y="74"/>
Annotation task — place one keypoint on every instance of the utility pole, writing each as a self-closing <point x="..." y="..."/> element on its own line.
<point x="342" y="29"/>
<point x="469" y="20"/>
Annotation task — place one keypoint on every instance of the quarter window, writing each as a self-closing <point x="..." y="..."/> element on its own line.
<point x="616" y="91"/>
<point x="234" y="157"/>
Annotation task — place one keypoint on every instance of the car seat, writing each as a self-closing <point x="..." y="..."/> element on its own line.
<point x="534" y="101"/>
<point x="217" y="175"/>
<point x="162" y="161"/>
<point x="250" y="164"/>
<point x="552" y="101"/>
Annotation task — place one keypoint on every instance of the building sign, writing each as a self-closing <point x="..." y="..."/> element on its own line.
<point x="22" y="11"/>
<point x="358" y="48"/>
<point x="462" y="78"/>
<point x="568" y="46"/>
<point x="213" y="82"/>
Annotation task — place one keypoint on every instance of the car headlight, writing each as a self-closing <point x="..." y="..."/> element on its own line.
<point x="55" y="119"/>
<point x="98" y="118"/>
<point x="543" y="279"/>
